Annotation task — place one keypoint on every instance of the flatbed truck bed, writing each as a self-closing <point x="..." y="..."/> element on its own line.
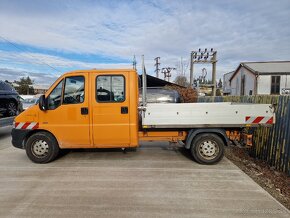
<point x="207" y="115"/>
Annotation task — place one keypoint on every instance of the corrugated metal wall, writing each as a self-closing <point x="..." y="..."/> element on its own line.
<point x="271" y="144"/>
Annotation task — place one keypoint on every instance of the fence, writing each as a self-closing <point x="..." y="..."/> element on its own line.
<point x="271" y="144"/>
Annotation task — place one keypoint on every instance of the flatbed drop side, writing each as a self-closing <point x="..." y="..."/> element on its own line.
<point x="99" y="109"/>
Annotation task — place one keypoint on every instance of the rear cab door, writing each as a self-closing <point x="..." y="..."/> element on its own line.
<point x="110" y="109"/>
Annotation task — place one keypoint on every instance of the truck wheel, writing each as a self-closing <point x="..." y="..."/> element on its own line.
<point x="42" y="147"/>
<point x="11" y="109"/>
<point x="207" y="148"/>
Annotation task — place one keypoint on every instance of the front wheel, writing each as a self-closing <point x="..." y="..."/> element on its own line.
<point x="11" y="109"/>
<point x="207" y="148"/>
<point x="42" y="147"/>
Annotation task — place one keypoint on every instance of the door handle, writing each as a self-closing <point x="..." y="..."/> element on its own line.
<point x="84" y="111"/>
<point x="124" y="110"/>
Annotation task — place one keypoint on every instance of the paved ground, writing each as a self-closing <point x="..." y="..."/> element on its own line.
<point x="154" y="181"/>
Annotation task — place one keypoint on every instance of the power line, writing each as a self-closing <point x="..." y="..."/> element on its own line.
<point x="39" y="61"/>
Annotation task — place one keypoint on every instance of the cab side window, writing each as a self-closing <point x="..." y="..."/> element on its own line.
<point x="54" y="98"/>
<point x="110" y="88"/>
<point x="74" y="90"/>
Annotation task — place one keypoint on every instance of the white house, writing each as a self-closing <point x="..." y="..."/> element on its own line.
<point x="261" y="78"/>
<point x="226" y="83"/>
<point x="40" y="89"/>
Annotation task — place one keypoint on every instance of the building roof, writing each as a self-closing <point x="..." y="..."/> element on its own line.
<point x="265" y="68"/>
<point x="228" y="76"/>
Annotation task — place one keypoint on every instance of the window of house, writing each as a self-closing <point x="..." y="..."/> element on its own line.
<point x="110" y="88"/>
<point x="243" y="84"/>
<point x="237" y="86"/>
<point x="275" y="85"/>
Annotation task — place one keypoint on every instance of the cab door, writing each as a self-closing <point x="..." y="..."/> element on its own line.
<point x="67" y="117"/>
<point x="110" y="109"/>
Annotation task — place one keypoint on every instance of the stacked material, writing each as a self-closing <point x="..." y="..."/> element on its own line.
<point x="188" y="94"/>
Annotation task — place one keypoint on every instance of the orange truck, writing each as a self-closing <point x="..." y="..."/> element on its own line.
<point x="100" y="109"/>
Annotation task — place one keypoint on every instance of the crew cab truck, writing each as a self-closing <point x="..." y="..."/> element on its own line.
<point x="100" y="109"/>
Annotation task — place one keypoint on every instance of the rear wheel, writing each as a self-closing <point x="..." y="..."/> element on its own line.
<point x="207" y="148"/>
<point x="42" y="147"/>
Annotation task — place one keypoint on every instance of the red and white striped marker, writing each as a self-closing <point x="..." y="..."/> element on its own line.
<point x="259" y="119"/>
<point x="26" y="125"/>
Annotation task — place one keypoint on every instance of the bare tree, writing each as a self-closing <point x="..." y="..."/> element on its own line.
<point x="181" y="80"/>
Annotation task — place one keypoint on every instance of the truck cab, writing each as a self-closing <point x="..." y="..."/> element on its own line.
<point x="83" y="109"/>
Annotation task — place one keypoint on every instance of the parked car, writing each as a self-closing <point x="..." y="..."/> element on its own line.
<point x="10" y="104"/>
<point x="28" y="102"/>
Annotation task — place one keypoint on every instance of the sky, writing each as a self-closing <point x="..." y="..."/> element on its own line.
<point x="44" y="39"/>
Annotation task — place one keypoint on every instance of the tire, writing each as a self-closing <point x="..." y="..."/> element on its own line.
<point x="42" y="147"/>
<point x="11" y="109"/>
<point x="207" y="148"/>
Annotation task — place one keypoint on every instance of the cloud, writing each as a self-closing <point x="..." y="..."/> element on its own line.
<point x="28" y="63"/>
<point x="50" y="60"/>
<point x="40" y="78"/>
<point x="238" y="30"/>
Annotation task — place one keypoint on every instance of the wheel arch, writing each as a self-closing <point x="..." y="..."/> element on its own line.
<point x="30" y="133"/>
<point x="195" y="132"/>
<point x="12" y="99"/>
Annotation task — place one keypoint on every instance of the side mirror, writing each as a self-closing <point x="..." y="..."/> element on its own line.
<point x="42" y="103"/>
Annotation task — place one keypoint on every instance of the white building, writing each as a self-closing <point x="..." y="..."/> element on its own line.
<point x="260" y="78"/>
<point x="226" y="83"/>
<point x="40" y="89"/>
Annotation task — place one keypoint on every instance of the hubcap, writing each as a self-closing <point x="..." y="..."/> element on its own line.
<point x="208" y="149"/>
<point x="12" y="109"/>
<point x="40" y="148"/>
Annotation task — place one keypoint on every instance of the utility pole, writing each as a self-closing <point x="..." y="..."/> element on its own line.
<point x="204" y="57"/>
<point x="157" y="64"/>
<point x="134" y="63"/>
<point x="191" y="70"/>
<point x="167" y="72"/>
<point x="214" y="60"/>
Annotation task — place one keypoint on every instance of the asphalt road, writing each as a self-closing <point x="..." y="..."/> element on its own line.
<point x="154" y="181"/>
<point x="5" y="137"/>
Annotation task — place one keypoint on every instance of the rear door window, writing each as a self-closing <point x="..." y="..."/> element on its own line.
<point x="110" y="88"/>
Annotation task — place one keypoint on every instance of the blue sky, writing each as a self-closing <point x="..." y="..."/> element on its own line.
<point x="69" y="35"/>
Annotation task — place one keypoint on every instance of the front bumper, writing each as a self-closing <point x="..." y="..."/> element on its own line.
<point x="18" y="137"/>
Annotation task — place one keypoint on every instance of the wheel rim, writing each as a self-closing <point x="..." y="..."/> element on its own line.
<point x="208" y="149"/>
<point x="39" y="148"/>
<point x="12" y="110"/>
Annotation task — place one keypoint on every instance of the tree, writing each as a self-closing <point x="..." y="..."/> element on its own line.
<point x="220" y="83"/>
<point x="25" y="86"/>
<point x="218" y="92"/>
<point x="181" y="80"/>
<point x="7" y="81"/>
